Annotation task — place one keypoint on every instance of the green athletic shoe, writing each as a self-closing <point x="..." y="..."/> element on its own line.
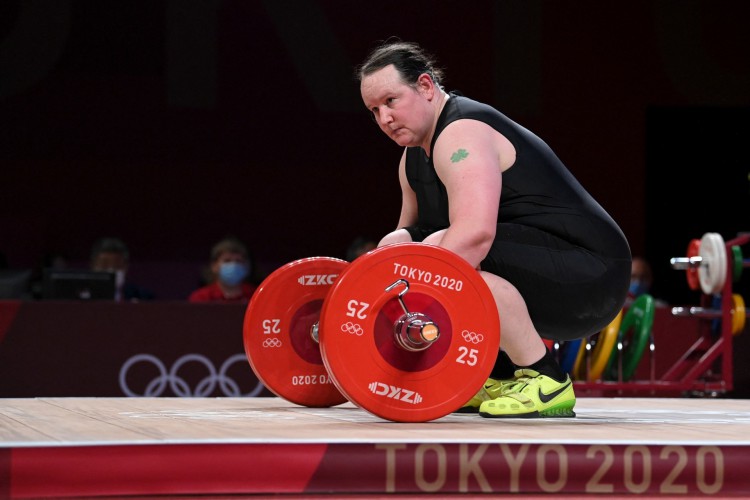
<point x="492" y="389"/>
<point x="532" y="395"/>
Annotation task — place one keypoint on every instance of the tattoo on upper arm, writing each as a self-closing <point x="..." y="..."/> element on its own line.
<point x="459" y="155"/>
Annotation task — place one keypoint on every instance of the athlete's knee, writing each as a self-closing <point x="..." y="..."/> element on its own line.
<point x="435" y="238"/>
<point x="498" y="286"/>
<point x="397" y="236"/>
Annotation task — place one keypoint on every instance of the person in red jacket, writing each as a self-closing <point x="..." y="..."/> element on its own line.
<point x="229" y="268"/>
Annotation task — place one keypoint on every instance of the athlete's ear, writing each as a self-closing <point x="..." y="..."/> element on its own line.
<point x="425" y="85"/>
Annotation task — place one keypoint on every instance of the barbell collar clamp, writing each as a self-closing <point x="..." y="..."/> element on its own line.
<point x="400" y="295"/>
<point x="413" y="331"/>
<point x="686" y="262"/>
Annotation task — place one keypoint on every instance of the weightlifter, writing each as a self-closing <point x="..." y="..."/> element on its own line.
<point x="475" y="182"/>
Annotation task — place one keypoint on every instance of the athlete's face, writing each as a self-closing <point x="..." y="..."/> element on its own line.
<point x="402" y="111"/>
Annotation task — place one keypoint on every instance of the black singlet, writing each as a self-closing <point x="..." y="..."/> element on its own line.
<point x="564" y="253"/>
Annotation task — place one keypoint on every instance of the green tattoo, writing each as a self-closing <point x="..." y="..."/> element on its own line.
<point x="459" y="155"/>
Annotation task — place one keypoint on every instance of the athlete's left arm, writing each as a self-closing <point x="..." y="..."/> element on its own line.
<point x="467" y="160"/>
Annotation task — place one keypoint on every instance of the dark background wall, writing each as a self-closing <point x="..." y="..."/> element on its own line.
<point x="173" y="123"/>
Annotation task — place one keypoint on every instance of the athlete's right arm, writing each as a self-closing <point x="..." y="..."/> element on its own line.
<point x="408" y="197"/>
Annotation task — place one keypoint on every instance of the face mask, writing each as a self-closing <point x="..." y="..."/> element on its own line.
<point x="637" y="288"/>
<point x="232" y="273"/>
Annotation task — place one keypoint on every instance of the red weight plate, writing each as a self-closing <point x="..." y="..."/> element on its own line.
<point x="692" y="272"/>
<point x="276" y="333"/>
<point x="357" y="338"/>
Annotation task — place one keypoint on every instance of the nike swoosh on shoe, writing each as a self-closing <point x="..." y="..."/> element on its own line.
<point x="546" y="398"/>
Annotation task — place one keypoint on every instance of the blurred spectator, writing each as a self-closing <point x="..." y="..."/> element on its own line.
<point x="641" y="281"/>
<point x="641" y="277"/>
<point x="230" y="266"/>
<point x="361" y="245"/>
<point x="54" y="261"/>
<point x="111" y="254"/>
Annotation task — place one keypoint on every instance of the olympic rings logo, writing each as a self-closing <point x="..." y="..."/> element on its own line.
<point x="274" y="342"/>
<point x="228" y="386"/>
<point x="352" y="328"/>
<point x="472" y="337"/>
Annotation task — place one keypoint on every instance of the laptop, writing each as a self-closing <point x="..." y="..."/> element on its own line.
<point x="78" y="284"/>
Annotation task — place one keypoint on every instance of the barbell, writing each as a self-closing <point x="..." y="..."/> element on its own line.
<point x="408" y="332"/>
<point x="738" y="312"/>
<point x="706" y="263"/>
